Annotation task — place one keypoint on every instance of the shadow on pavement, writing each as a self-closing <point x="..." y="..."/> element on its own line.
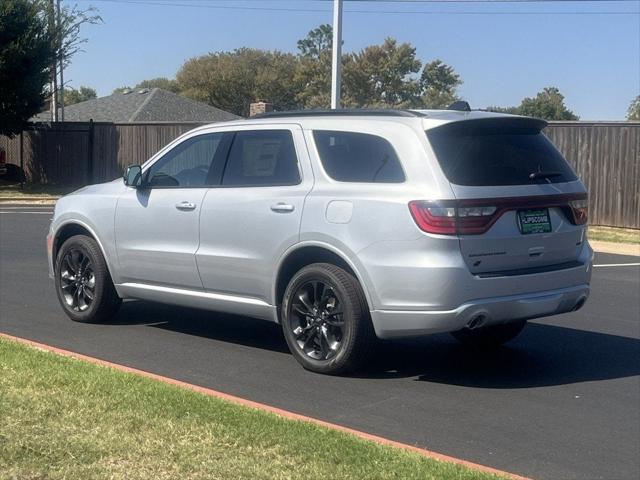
<point x="543" y="355"/>
<point x="216" y="326"/>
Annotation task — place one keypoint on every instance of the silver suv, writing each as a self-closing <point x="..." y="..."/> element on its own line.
<point x="342" y="226"/>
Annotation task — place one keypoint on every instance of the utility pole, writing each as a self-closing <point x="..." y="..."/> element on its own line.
<point x="61" y="69"/>
<point x="336" y="61"/>
<point x="54" y="65"/>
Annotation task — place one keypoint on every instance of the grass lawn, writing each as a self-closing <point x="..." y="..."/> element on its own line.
<point x="32" y="191"/>
<point x="611" y="234"/>
<point x="65" y="418"/>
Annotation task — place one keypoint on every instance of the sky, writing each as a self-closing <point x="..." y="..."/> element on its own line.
<point x="503" y="50"/>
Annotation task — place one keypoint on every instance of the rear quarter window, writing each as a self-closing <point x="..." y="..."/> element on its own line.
<point x="358" y="157"/>
<point x="493" y="152"/>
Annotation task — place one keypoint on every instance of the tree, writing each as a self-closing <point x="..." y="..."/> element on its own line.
<point x="317" y="42"/>
<point x="26" y="54"/>
<point x="547" y="104"/>
<point x="439" y="83"/>
<point x="119" y="90"/>
<point x="66" y="28"/>
<point x="233" y="80"/>
<point x="160" y="82"/>
<point x="633" y="113"/>
<point x="382" y="76"/>
<point x="33" y="39"/>
<point x="71" y="95"/>
<point x="510" y="110"/>
<point x="312" y="77"/>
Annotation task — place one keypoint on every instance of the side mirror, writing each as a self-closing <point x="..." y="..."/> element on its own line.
<point x="133" y="176"/>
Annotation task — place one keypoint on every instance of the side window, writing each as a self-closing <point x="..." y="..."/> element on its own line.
<point x="187" y="164"/>
<point x="262" y="157"/>
<point x="358" y="157"/>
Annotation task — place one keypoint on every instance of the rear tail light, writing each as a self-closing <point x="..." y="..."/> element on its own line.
<point x="579" y="211"/>
<point x="434" y="218"/>
<point x="476" y="216"/>
<point x="445" y="218"/>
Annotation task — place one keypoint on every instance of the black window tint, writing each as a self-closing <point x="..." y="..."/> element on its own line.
<point x="262" y="157"/>
<point x="358" y="157"/>
<point x="187" y="164"/>
<point x="497" y="152"/>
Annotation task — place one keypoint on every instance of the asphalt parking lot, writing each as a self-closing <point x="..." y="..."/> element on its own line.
<point x="560" y="402"/>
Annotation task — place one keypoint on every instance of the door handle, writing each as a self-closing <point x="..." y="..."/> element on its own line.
<point x="186" y="205"/>
<point x="282" y="208"/>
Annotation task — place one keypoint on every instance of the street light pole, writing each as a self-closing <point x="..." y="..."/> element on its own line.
<point x="61" y="98"/>
<point x="336" y="63"/>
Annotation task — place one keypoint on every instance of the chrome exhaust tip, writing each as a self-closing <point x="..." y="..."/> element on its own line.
<point x="579" y="304"/>
<point x="477" y="321"/>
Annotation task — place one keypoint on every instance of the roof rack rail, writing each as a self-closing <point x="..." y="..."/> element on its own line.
<point x="341" y="112"/>
<point x="460" y="105"/>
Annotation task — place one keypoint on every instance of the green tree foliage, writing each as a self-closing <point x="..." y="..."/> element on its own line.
<point x="71" y="95"/>
<point x="312" y="77"/>
<point x="439" y="83"/>
<point x="318" y="41"/>
<point x="32" y="40"/>
<point x="382" y="76"/>
<point x="26" y="54"/>
<point x="385" y="75"/>
<point x="547" y="104"/>
<point x="633" y="113"/>
<point x="511" y="110"/>
<point x="232" y="80"/>
<point x="160" y="82"/>
<point x="119" y="90"/>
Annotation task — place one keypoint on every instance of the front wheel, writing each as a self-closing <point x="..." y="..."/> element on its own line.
<point x="83" y="283"/>
<point x="491" y="336"/>
<point x="326" y="321"/>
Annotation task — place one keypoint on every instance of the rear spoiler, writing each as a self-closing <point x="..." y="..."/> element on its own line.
<point x="499" y="124"/>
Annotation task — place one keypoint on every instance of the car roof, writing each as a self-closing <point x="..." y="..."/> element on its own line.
<point x="425" y="117"/>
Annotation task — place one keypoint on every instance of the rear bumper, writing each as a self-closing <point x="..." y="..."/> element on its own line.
<point x="490" y="311"/>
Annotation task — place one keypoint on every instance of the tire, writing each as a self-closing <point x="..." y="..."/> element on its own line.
<point x="491" y="336"/>
<point x="335" y="338"/>
<point x="83" y="284"/>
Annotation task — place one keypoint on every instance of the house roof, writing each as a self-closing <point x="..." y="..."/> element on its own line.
<point x="141" y="105"/>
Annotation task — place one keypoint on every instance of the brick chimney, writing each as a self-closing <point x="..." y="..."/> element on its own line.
<point x="260" y="107"/>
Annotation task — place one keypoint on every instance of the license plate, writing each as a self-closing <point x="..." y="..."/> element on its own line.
<point x="534" y="221"/>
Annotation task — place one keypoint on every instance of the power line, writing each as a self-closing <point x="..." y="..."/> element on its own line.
<point x="415" y="12"/>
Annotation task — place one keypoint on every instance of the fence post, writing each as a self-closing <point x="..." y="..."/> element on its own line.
<point x="90" y="164"/>
<point x="22" y="174"/>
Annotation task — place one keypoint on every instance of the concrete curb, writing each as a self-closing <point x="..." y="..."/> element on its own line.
<point x="267" y="408"/>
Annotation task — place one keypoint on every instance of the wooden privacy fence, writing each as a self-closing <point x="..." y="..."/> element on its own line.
<point x="606" y="156"/>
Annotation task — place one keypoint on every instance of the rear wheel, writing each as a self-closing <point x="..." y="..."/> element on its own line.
<point x="83" y="283"/>
<point x="326" y="321"/>
<point x="491" y="336"/>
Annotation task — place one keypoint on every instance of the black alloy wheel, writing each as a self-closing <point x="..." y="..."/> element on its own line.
<point x="83" y="283"/>
<point x="77" y="280"/>
<point x="325" y="320"/>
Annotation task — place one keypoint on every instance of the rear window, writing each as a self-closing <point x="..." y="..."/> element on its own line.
<point x="498" y="152"/>
<point x="358" y="157"/>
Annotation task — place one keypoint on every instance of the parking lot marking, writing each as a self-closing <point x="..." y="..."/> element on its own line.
<point x="618" y="265"/>
<point x="261" y="406"/>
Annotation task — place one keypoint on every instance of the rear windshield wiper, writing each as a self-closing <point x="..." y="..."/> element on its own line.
<point x="549" y="174"/>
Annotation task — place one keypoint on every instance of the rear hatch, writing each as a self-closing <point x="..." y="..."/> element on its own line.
<point x="519" y="206"/>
